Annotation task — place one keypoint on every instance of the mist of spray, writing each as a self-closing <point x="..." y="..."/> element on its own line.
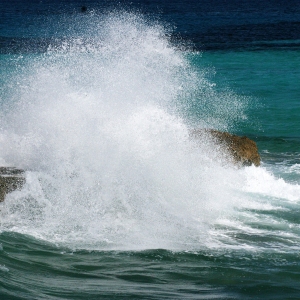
<point x="99" y="124"/>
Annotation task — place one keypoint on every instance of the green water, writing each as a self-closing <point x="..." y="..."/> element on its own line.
<point x="271" y="80"/>
<point x="114" y="206"/>
<point x="37" y="270"/>
<point x="257" y="258"/>
<point x="267" y="267"/>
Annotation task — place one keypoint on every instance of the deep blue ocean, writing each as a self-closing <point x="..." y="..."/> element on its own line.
<point x="97" y="102"/>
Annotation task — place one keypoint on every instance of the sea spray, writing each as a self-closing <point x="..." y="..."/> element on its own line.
<point x="100" y="124"/>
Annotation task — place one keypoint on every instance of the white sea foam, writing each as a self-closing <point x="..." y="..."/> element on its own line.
<point x="263" y="182"/>
<point x="100" y="126"/>
<point x="4" y="269"/>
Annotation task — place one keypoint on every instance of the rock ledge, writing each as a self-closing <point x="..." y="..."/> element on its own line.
<point x="11" y="179"/>
<point x="242" y="150"/>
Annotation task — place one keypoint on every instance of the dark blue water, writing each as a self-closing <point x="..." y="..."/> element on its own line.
<point x="209" y="25"/>
<point x="97" y="99"/>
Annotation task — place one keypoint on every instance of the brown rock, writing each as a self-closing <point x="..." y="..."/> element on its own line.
<point x="242" y="150"/>
<point x="11" y="179"/>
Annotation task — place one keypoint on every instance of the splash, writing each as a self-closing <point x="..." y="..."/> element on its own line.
<point x="100" y="125"/>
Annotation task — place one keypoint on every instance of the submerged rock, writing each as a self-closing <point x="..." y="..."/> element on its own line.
<point x="241" y="149"/>
<point x="11" y="179"/>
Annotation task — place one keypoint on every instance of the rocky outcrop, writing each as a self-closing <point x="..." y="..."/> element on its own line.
<point x="11" y="179"/>
<point x="241" y="150"/>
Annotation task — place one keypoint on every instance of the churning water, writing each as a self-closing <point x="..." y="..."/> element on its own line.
<point x="101" y="121"/>
<point x="101" y="127"/>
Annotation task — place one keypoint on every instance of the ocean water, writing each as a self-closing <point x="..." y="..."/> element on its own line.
<point x="96" y="105"/>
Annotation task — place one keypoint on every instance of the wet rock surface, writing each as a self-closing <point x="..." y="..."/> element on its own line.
<point x="11" y="179"/>
<point x="242" y="150"/>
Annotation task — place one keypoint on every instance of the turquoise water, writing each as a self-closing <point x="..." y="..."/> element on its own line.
<point x="119" y="202"/>
<point x="269" y="80"/>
